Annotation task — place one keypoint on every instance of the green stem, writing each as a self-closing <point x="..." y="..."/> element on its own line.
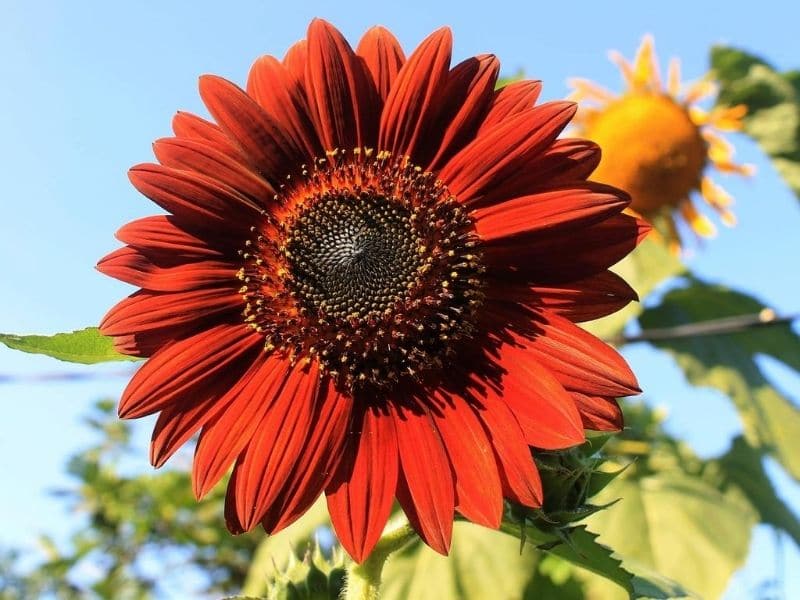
<point x="364" y="580"/>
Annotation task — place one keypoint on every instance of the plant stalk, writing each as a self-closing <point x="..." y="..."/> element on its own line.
<point x="364" y="580"/>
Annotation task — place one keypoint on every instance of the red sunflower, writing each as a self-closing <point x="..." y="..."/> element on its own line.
<point x="367" y="285"/>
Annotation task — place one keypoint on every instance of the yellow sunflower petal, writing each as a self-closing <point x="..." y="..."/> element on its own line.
<point x="699" y="90"/>
<point x="720" y="153"/>
<point x="674" y="77"/>
<point x="698" y="116"/>
<point x="645" y="67"/>
<point x="720" y="150"/>
<point x="728" y="218"/>
<point x="701" y="224"/>
<point x="728" y="118"/>
<point x="715" y="194"/>
<point x="583" y="89"/>
<point x="624" y="66"/>
<point x="745" y="170"/>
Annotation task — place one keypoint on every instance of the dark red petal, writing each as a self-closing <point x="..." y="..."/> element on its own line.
<point x="464" y="102"/>
<point x="262" y="138"/>
<point x="362" y="490"/>
<point x="567" y="161"/>
<point x="143" y="311"/>
<point x="268" y="461"/>
<point x="179" y="421"/>
<point x="521" y="481"/>
<point x="479" y="494"/>
<point x="426" y="492"/>
<point x="147" y="343"/>
<point x="295" y="60"/>
<point x="314" y="469"/>
<point x="599" y="413"/>
<point x="580" y="361"/>
<point x="545" y="411"/>
<point x="194" y="199"/>
<point x="557" y="210"/>
<point x="282" y="96"/>
<point x="383" y="57"/>
<point x="586" y="299"/>
<point x="188" y="367"/>
<point x="131" y="266"/>
<point x="231" y="516"/>
<point x="554" y="258"/>
<point x="191" y="127"/>
<point x="511" y="99"/>
<point x="497" y="153"/>
<point x="176" y="424"/>
<point x="192" y="155"/>
<point x="161" y="235"/>
<point x="410" y="106"/>
<point x="225" y="436"/>
<point x="341" y="94"/>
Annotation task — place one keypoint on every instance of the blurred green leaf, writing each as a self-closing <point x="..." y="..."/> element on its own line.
<point x="85" y="346"/>
<point x="679" y="526"/>
<point x="773" y="102"/>
<point x="504" y="80"/>
<point x="136" y="535"/>
<point x="742" y="466"/>
<point x="482" y="564"/>
<point x="727" y="362"/>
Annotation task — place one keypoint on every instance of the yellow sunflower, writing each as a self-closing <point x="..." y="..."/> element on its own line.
<point x="658" y="143"/>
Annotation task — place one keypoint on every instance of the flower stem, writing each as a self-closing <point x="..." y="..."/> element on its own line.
<point x="364" y="580"/>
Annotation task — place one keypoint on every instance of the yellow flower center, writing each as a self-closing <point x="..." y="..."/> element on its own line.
<point x="651" y="149"/>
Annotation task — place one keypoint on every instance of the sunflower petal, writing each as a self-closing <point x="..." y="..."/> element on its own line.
<point x="341" y="94"/>
<point x="410" y="105"/>
<point x="562" y="209"/>
<point x="281" y="95"/>
<point x="361" y="493"/>
<point x="214" y="357"/>
<point x="383" y="56"/>
<point x="314" y="468"/>
<point x="225" y="435"/>
<point x="518" y="473"/>
<point x="268" y="460"/>
<point x="466" y="98"/>
<point x="426" y="487"/>
<point x="599" y="413"/>
<point x="498" y="152"/>
<point x="200" y="157"/>
<point x="131" y="266"/>
<point x="479" y="494"/>
<point x="510" y="100"/>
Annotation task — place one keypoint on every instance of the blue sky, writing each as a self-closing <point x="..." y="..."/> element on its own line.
<point x="87" y="86"/>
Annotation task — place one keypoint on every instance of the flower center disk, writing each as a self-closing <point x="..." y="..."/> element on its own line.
<point x="368" y="265"/>
<point x="354" y="255"/>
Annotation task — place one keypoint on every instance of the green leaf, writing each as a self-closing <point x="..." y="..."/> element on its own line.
<point x="668" y="521"/>
<point x="644" y="269"/>
<point x="482" y="564"/>
<point x="85" y="346"/>
<point x="742" y="466"/>
<point x="773" y="102"/>
<point x="727" y="362"/>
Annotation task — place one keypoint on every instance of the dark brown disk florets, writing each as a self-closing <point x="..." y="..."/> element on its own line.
<point x="367" y="264"/>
